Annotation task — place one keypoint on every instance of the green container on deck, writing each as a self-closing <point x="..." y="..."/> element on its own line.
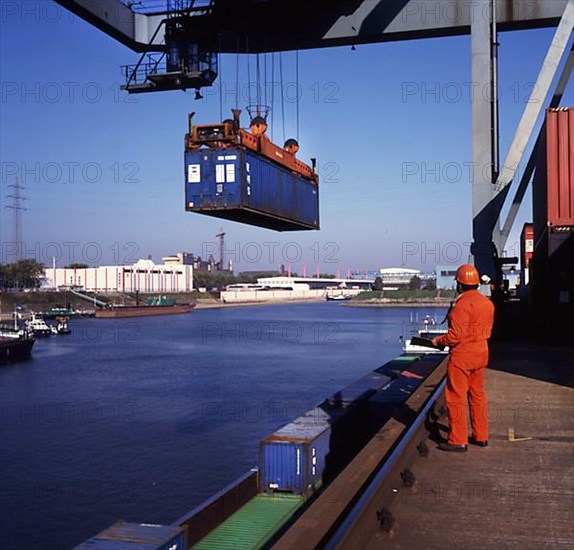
<point x="254" y="524"/>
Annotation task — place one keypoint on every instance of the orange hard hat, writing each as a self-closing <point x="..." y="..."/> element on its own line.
<point x="467" y="274"/>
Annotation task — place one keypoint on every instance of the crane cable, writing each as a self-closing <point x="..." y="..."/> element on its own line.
<point x="297" y="88"/>
<point x="282" y="95"/>
<point x="265" y="79"/>
<point x="237" y="77"/>
<point x="258" y="82"/>
<point x="272" y="91"/>
<point x="219" y="67"/>
<point x="248" y="73"/>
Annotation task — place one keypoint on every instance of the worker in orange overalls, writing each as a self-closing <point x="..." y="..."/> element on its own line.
<point x="470" y="322"/>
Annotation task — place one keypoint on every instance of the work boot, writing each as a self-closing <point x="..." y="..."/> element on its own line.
<point x="453" y="448"/>
<point x="479" y="443"/>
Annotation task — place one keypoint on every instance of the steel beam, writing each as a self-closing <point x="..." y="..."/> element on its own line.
<point x="483" y="143"/>
<point x="534" y="107"/>
<point x="537" y="100"/>
<point x="134" y="30"/>
<point x="530" y="166"/>
<point x="488" y="199"/>
<point x="255" y="26"/>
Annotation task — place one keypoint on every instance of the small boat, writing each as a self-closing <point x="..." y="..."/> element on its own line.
<point x="15" y="344"/>
<point x="61" y="328"/>
<point x="338" y="297"/>
<point x="37" y="324"/>
<point x="427" y="329"/>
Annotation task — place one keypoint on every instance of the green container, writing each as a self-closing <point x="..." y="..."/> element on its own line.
<point x="254" y="524"/>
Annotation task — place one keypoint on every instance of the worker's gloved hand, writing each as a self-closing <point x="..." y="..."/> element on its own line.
<point x="436" y="343"/>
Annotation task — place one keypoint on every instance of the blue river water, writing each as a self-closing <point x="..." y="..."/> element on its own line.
<point x="143" y="419"/>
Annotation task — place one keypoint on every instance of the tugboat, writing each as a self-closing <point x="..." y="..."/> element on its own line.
<point x="38" y="326"/>
<point x="61" y="328"/>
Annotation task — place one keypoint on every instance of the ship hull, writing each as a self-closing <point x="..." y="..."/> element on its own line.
<point x="15" y="349"/>
<point x="141" y="311"/>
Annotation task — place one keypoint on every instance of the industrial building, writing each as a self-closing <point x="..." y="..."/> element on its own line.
<point x="281" y="288"/>
<point x="314" y="283"/>
<point x="144" y="276"/>
<point x="398" y="276"/>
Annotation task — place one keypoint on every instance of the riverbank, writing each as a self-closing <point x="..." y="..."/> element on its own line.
<point x="442" y="302"/>
<point x="44" y="301"/>
<point x="206" y="304"/>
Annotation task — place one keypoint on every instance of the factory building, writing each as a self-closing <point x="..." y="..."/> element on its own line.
<point x="397" y="276"/>
<point x="314" y="283"/>
<point x="144" y="276"/>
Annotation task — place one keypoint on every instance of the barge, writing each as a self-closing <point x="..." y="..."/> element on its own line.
<point x="118" y="312"/>
<point x="299" y="461"/>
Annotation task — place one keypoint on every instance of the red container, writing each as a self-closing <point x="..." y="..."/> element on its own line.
<point x="560" y="167"/>
<point x="526" y="252"/>
<point x="526" y="245"/>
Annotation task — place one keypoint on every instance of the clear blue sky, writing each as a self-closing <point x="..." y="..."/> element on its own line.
<point x="103" y="167"/>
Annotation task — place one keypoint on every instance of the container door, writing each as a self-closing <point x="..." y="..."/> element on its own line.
<point x="199" y="178"/>
<point x="213" y="181"/>
<point x="226" y="169"/>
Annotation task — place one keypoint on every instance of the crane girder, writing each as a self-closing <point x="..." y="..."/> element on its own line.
<point x="250" y="26"/>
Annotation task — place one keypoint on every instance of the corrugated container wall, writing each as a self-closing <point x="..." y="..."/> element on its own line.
<point x="293" y="458"/>
<point x="239" y="185"/>
<point x="140" y="536"/>
<point x="560" y="166"/>
<point x="551" y="288"/>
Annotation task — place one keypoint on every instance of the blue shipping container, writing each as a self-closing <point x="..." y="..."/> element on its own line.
<point x="294" y="457"/>
<point x="359" y="390"/>
<point x="138" y="536"/>
<point x="239" y="185"/>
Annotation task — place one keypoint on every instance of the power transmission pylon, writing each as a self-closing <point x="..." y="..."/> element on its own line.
<point x="17" y="208"/>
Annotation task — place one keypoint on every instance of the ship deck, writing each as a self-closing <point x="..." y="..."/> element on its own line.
<point x="516" y="493"/>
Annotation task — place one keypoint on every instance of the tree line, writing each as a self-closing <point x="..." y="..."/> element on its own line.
<point x="21" y="274"/>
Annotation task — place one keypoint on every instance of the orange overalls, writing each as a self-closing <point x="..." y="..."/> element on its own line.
<point x="469" y="327"/>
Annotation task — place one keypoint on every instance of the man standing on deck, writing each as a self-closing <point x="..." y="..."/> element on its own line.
<point x="470" y="322"/>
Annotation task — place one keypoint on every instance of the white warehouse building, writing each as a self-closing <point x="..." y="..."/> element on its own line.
<point x="143" y="276"/>
<point x="398" y="275"/>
